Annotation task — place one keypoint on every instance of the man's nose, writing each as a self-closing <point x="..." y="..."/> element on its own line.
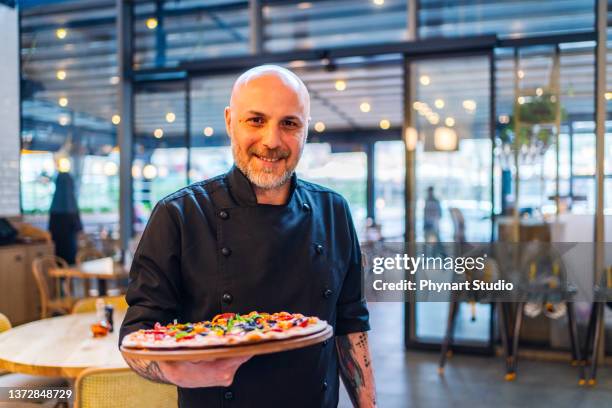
<point x="272" y="137"/>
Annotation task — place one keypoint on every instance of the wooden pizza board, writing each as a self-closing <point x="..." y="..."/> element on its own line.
<point x="213" y="353"/>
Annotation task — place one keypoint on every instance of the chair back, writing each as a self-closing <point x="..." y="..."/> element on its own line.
<point x="121" y="388"/>
<point x="5" y="323"/>
<point x="88" y="305"/>
<point x="458" y="225"/>
<point x="87" y="254"/>
<point x="49" y="287"/>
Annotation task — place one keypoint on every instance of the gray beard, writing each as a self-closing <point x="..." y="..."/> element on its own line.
<point x="261" y="179"/>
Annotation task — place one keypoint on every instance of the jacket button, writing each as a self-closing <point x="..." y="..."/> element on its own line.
<point x="227" y="298"/>
<point x="327" y="293"/>
<point x="228" y="395"/>
<point x="319" y="249"/>
<point x="324" y="385"/>
<point x="223" y="215"/>
<point x="306" y="207"/>
<point x="226" y="251"/>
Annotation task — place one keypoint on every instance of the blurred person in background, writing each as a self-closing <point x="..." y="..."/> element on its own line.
<point x="64" y="218"/>
<point x="431" y="217"/>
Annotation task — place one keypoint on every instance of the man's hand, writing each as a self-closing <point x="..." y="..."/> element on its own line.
<point x="356" y="369"/>
<point x="188" y="374"/>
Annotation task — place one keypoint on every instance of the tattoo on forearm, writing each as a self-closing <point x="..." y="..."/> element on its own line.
<point x="149" y="370"/>
<point x="355" y="368"/>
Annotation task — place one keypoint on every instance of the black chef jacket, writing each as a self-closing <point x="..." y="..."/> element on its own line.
<point x="211" y="248"/>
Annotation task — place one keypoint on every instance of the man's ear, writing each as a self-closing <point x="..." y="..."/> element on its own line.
<point x="228" y="121"/>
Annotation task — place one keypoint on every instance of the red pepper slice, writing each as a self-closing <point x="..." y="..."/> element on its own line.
<point x="191" y="336"/>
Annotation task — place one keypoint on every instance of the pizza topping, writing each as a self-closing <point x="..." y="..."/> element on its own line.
<point x="224" y="329"/>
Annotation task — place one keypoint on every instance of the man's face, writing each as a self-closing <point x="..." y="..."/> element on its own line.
<point x="267" y="123"/>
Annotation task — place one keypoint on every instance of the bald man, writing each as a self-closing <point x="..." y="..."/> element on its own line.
<point x="257" y="238"/>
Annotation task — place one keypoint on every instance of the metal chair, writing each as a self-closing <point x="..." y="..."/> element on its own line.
<point x="121" y="388"/>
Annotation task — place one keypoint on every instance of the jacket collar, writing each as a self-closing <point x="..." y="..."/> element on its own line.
<point x="242" y="190"/>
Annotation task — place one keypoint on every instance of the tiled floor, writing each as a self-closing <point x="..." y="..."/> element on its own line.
<point x="410" y="379"/>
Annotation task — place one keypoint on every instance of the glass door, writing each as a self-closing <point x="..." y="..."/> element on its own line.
<point x="450" y="111"/>
<point x="161" y="142"/>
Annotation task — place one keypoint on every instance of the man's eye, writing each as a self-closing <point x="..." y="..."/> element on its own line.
<point x="256" y="121"/>
<point x="289" y="124"/>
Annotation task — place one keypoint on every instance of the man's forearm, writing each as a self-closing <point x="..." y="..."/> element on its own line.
<point x="148" y="369"/>
<point x="356" y="368"/>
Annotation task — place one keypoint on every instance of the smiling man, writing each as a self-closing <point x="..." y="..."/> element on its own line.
<point x="257" y="238"/>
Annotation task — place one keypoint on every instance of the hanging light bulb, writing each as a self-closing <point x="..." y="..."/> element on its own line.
<point x="384" y="124"/>
<point x="340" y="85"/>
<point x="61" y="33"/>
<point x="445" y="139"/>
<point x="151" y="23"/>
<point x="411" y="137"/>
<point x="208" y="131"/>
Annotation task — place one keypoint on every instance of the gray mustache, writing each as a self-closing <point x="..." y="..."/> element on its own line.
<point x="270" y="154"/>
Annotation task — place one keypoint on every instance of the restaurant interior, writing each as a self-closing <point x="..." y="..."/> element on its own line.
<point x="119" y="103"/>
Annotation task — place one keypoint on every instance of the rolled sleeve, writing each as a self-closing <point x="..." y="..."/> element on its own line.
<point x="154" y="289"/>
<point x="352" y="312"/>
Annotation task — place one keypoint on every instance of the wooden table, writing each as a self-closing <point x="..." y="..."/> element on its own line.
<point x="119" y="272"/>
<point x="60" y="346"/>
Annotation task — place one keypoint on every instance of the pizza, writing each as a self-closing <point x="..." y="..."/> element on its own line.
<point x="227" y="329"/>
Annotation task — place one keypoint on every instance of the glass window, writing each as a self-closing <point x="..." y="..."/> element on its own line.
<point x="584" y="192"/>
<point x="69" y="107"/>
<point x="168" y="32"/>
<point x="389" y="179"/>
<point x="504" y="18"/>
<point x="304" y="25"/>
<point x="159" y="166"/>
<point x="345" y="173"/>
<point x="210" y="152"/>
<point x="452" y="105"/>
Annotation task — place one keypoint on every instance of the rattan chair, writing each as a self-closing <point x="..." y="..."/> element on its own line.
<point x="121" y="388"/>
<point x="87" y="254"/>
<point x="23" y="381"/>
<point x="55" y="295"/>
<point x="5" y="324"/>
<point x="88" y="305"/>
